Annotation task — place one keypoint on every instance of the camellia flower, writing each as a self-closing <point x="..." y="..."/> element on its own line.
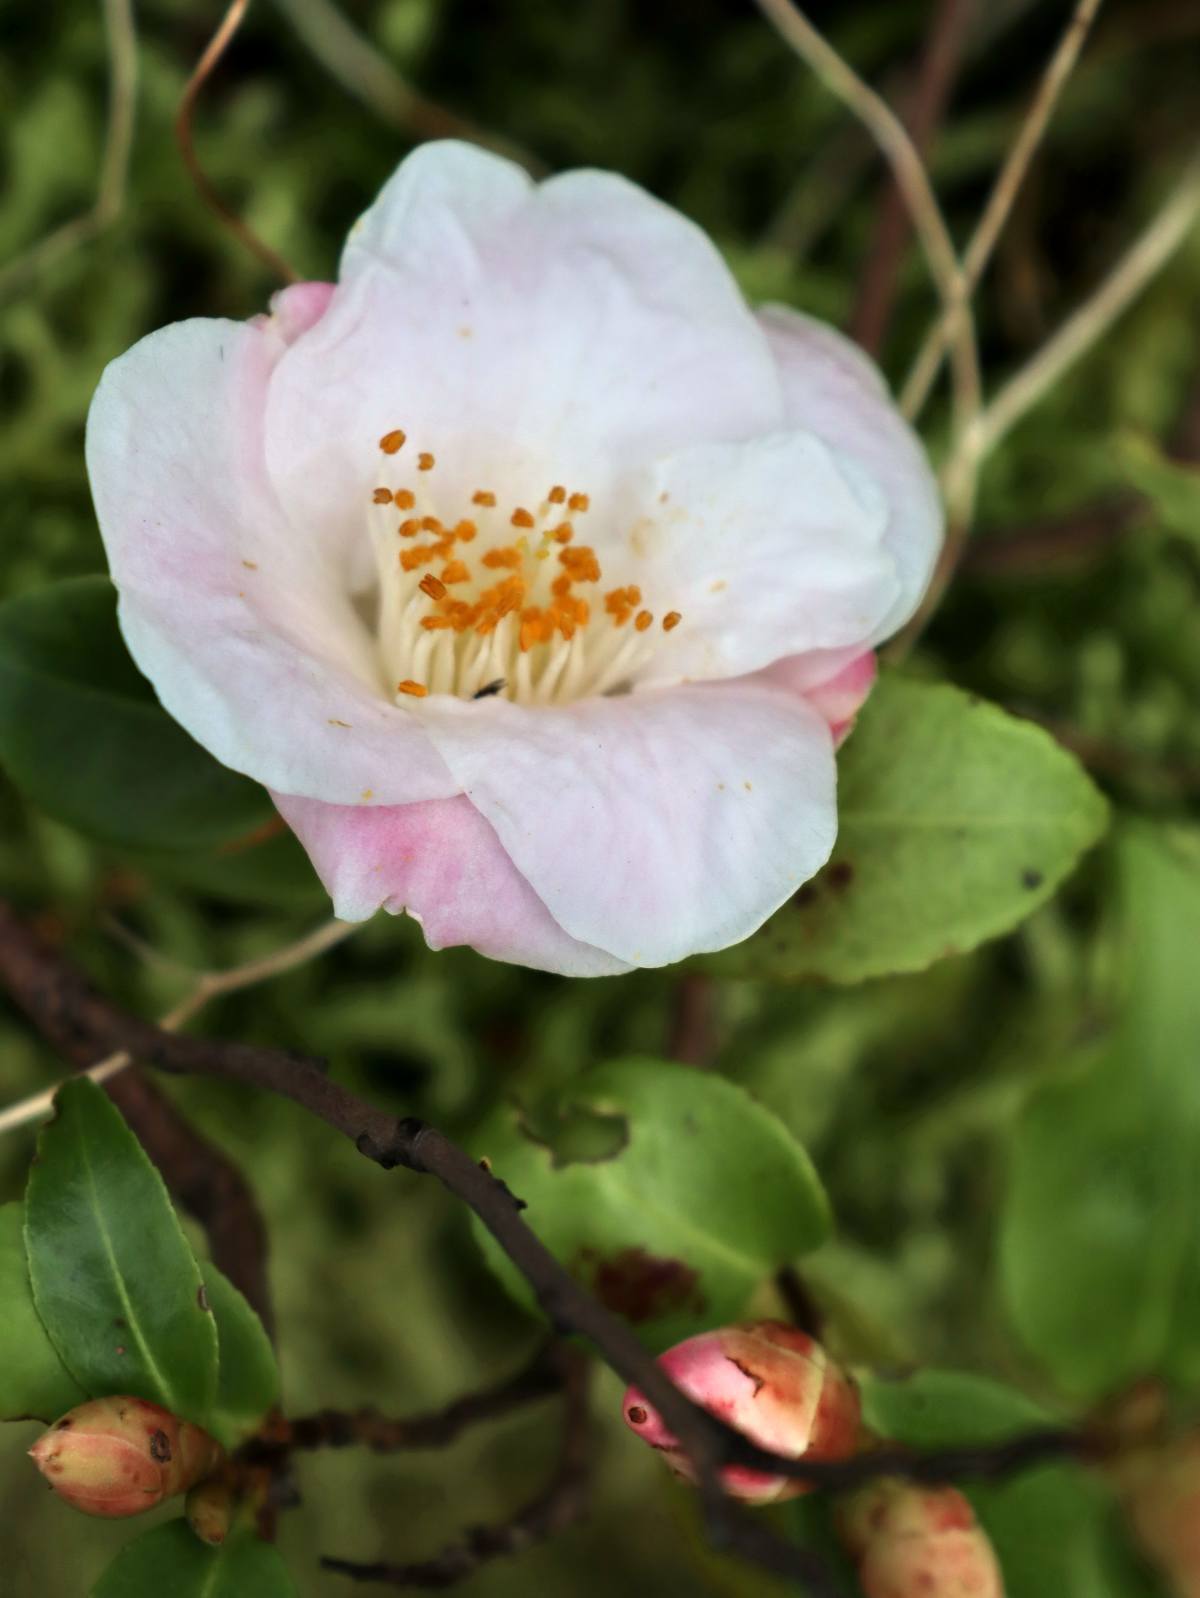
<point x="532" y="572"/>
<point x="772" y="1382"/>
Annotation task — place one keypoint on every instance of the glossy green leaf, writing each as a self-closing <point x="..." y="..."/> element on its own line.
<point x="1101" y="1226"/>
<point x="171" y="1562"/>
<point x="34" y="1382"/>
<point x="115" y="1283"/>
<point x="1049" y="1524"/>
<point x="955" y="820"/>
<point x="248" y="1374"/>
<point x="670" y="1192"/>
<point x="83" y="735"/>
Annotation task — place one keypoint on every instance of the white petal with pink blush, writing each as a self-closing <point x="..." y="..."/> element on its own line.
<point x="533" y="572"/>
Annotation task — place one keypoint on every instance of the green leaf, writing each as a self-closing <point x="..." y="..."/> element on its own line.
<point x="83" y="735"/>
<point x="248" y="1375"/>
<point x="171" y="1562"/>
<point x="115" y="1283"/>
<point x="955" y="820"/>
<point x="668" y="1191"/>
<point x="34" y="1382"/>
<point x="1048" y="1525"/>
<point x="1172" y="487"/>
<point x="1100" y="1241"/>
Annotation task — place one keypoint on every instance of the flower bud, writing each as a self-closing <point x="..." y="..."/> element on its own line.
<point x="120" y="1456"/>
<point x="209" y="1508"/>
<point x="918" y="1542"/>
<point x="770" y="1381"/>
<point x="1160" y="1488"/>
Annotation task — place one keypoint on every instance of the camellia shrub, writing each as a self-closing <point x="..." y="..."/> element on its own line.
<point x="693" y="513"/>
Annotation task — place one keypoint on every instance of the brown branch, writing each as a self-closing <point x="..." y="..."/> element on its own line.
<point x="60" y="1003"/>
<point x="557" y="1506"/>
<point x="935" y="78"/>
<point x="205" y="67"/>
<point x="367" y="1428"/>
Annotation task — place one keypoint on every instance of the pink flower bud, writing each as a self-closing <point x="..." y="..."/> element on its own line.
<point x="771" y="1382"/>
<point x="918" y="1542"/>
<point x="1161" y="1491"/>
<point x="120" y="1456"/>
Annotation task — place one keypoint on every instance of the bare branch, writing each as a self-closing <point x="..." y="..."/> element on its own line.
<point x="1000" y="201"/>
<point x="205" y="67"/>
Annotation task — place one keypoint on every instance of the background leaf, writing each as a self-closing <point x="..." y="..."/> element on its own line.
<point x="647" y="1181"/>
<point x="171" y="1562"/>
<point x="33" y="1380"/>
<point x="82" y="733"/>
<point x="955" y="820"/>
<point x="1100" y="1240"/>
<point x="114" y="1281"/>
<point x="248" y="1374"/>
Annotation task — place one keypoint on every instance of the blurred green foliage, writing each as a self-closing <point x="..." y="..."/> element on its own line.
<point x="1077" y="606"/>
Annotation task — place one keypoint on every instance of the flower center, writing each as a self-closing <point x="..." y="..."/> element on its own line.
<point x="503" y="599"/>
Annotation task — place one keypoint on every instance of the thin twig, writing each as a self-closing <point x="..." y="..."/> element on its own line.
<point x="121" y="36"/>
<point x="913" y="182"/>
<point x="561" y="1502"/>
<point x="1078" y="334"/>
<point x="207" y="986"/>
<point x="367" y="1428"/>
<point x="945" y="39"/>
<point x="364" y="72"/>
<point x="240" y="229"/>
<point x="1000" y="201"/>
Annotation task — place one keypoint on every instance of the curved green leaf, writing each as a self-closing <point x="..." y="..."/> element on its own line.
<point x="83" y="735"/>
<point x="34" y="1382"/>
<point x="955" y="820"/>
<point x="670" y="1192"/>
<point x="248" y="1374"/>
<point x="115" y="1283"/>
<point x="171" y="1562"/>
<point x="1100" y="1246"/>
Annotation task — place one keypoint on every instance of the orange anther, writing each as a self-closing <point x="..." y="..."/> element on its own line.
<point x="425" y="461"/>
<point x="382" y="496"/>
<point x="670" y="620"/>
<point x="433" y="586"/>
<point x="405" y="498"/>
<point x="561" y="586"/>
<point x="456" y="572"/>
<point x="521" y="517"/>
<point x="578" y="502"/>
<point x="410" y="527"/>
<point x="435" y="624"/>
<point x="557" y="494"/>
<point x="391" y="442"/>
<point x="465" y="532"/>
<point x="642" y="620"/>
<point x="563" y="533"/>
<point x="483" y="496"/>
<point x="417" y="689"/>
<point x="431" y="524"/>
<point x="505" y="557"/>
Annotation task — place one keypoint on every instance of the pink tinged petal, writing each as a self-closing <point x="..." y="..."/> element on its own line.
<point x="657" y="824"/>
<point x="833" y="390"/>
<point x="442" y="864"/>
<point x="524" y="335"/>
<point x="834" y="686"/>
<point x="766" y="549"/>
<point x="297" y="308"/>
<point x="238" y="616"/>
